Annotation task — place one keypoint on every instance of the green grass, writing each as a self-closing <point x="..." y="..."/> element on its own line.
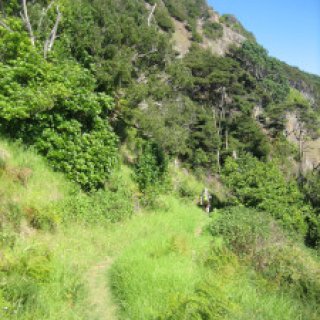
<point x="44" y="185"/>
<point x="161" y="261"/>
<point x="167" y="270"/>
<point x="159" y="264"/>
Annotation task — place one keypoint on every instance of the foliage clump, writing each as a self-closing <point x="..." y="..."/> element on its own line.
<point x="258" y="240"/>
<point x="209" y="301"/>
<point x="213" y="30"/>
<point x="261" y="185"/>
<point x="53" y="106"/>
<point x="151" y="168"/>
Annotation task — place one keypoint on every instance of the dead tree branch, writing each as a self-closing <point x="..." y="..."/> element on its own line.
<point x="53" y="35"/>
<point x="25" y="18"/>
<point x="151" y="14"/>
<point x="44" y="13"/>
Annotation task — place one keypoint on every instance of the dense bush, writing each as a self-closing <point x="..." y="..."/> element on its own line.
<point x="23" y="274"/>
<point x="311" y="188"/>
<point x="294" y="269"/>
<point x="151" y="167"/>
<point x="213" y="30"/>
<point x="232" y="22"/>
<point x="176" y="9"/>
<point x="54" y="107"/>
<point x="163" y="19"/>
<point x="259" y="241"/>
<point x="209" y="301"/>
<point x="113" y="203"/>
<point x="262" y="186"/>
<point x="243" y="229"/>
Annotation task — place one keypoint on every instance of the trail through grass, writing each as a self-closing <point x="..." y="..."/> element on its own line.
<point x="99" y="293"/>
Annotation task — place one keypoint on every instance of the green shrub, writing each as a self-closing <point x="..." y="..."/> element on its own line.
<point x="232" y="22"/>
<point x="242" y="228"/>
<point x="150" y="171"/>
<point x="293" y="269"/>
<point x="176" y="9"/>
<point x="87" y="158"/>
<point x="2" y="164"/>
<point x="311" y="188"/>
<point x="209" y="301"/>
<point x="163" y="19"/>
<point x="257" y="239"/>
<point x="8" y="236"/>
<point x="20" y="290"/>
<point x="13" y="213"/>
<point x="43" y="219"/>
<point x="6" y="308"/>
<point x="197" y="37"/>
<point x="262" y="186"/>
<point x="112" y="204"/>
<point x="23" y="274"/>
<point x="213" y="30"/>
<point x="54" y="107"/>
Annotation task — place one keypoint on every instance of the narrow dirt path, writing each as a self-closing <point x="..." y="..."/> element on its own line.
<point x="101" y="303"/>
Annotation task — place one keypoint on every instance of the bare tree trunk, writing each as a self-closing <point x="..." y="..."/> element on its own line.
<point x="44" y="13"/>
<point x="151" y="14"/>
<point x="53" y="35"/>
<point x="25" y="18"/>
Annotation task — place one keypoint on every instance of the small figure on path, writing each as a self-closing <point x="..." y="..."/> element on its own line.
<point x="205" y="200"/>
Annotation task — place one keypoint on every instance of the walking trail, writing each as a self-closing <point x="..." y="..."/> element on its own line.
<point x="100" y="298"/>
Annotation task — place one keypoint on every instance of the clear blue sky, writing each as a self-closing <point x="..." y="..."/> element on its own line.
<point x="288" y="29"/>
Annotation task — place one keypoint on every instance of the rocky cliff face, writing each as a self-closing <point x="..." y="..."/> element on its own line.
<point x="220" y="46"/>
<point x="182" y="37"/>
<point x="309" y="148"/>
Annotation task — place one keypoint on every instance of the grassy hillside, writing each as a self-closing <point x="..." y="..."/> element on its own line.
<point x="51" y="236"/>
<point x="173" y="262"/>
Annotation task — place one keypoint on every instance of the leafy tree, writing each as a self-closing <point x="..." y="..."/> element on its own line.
<point x="53" y="106"/>
<point x="261" y="185"/>
<point x="169" y="124"/>
<point x="251" y="138"/>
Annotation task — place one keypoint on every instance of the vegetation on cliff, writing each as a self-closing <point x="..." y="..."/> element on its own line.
<point x="101" y="118"/>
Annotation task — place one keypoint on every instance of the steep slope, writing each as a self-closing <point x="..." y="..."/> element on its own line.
<point x="167" y="56"/>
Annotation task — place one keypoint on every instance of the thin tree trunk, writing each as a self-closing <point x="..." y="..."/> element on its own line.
<point x="151" y="14"/>
<point x="53" y="35"/>
<point x="44" y="13"/>
<point x="25" y="18"/>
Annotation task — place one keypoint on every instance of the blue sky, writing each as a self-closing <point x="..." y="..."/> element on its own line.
<point x="288" y="29"/>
